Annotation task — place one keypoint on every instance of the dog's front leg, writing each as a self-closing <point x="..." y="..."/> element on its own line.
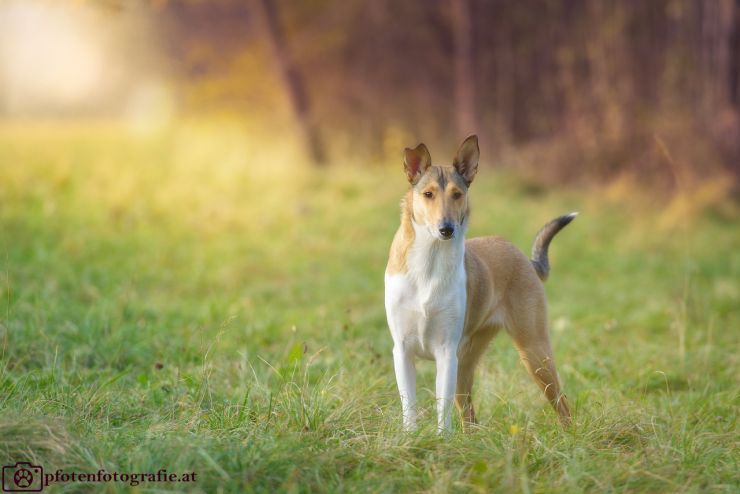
<point x="403" y="362"/>
<point x="446" y="383"/>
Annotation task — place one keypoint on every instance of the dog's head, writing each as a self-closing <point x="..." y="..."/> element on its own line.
<point x="440" y="193"/>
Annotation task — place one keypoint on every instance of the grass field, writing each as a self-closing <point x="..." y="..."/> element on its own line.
<point x="183" y="302"/>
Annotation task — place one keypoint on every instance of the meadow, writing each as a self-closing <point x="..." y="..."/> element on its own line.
<point x="197" y="300"/>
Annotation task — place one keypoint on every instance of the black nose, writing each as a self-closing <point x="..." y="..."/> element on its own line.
<point x="446" y="231"/>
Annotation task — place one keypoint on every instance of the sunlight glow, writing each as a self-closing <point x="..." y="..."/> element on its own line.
<point x="49" y="55"/>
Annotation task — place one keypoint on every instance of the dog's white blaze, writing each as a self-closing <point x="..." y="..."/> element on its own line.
<point x="426" y="313"/>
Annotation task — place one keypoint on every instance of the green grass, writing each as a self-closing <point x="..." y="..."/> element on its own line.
<point x="196" y="302"/>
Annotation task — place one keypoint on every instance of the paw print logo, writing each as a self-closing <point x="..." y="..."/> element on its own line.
<point x="23" y="478"/>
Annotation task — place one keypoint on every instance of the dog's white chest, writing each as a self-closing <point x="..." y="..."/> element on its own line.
<point x="426" y="307"/>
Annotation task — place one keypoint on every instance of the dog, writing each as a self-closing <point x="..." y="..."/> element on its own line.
<point x="447" y="297"/>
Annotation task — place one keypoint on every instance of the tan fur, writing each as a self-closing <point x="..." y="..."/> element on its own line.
<point x="402" y="240"/>
<point x="499" y="275"/>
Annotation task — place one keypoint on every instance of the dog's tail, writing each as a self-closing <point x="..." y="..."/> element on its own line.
<point x="542" y="242"/>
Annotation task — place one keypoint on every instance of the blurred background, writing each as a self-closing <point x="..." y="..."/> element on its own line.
<point x="197" y="200"/>
<point x="570" y="91"/>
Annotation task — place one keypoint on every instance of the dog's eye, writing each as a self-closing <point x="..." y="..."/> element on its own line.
<point x="428" y="195"/>
<point x="456" y="195"/>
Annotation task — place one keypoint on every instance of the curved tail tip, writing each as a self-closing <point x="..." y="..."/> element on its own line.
<point x="567" y="218"/>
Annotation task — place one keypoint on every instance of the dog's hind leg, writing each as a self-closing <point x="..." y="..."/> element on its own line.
<point x="527" y="325"/>
<point x="537" y="357"/>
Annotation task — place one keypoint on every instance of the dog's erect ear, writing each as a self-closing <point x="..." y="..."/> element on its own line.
<point x="415" y="162"/>
<point x="466" y="161"/>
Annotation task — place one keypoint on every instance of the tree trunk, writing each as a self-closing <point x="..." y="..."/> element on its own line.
<point x="466" y="118"/>
<point x="716" y="34"/>
<point x="734" y="81"/>
<point x="718" y="63"/>
<point x="293" y="82"/>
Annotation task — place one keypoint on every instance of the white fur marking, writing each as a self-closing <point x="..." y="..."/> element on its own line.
<point x="426" y="312"/>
